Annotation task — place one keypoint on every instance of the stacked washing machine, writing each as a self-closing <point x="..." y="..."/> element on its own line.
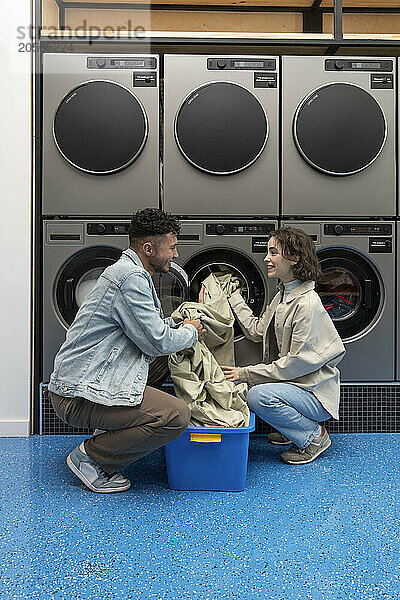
<point x="339" y="185"/>
<point x="221" y="133"/>
<point x="100" y="163"/>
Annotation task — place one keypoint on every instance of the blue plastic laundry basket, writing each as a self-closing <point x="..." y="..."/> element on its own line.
<point x="209" y="458"/>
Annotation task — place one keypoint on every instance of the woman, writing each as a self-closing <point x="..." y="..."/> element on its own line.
<point x="297" y="385"/>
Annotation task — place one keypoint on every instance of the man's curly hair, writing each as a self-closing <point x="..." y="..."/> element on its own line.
<point x="295" y="242"/>
<point x="151" y="223"/>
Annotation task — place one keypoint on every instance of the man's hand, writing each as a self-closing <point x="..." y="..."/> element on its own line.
<point x="231" y="373"/>
<point x="198" y="324"/>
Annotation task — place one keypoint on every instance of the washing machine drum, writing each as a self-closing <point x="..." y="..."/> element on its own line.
<point x="79" y="275"/>
<point x="351" y="291"/>
<point x="339" y="129"/>
<point x="221" y="128"/>
<point x="226" y="261"/>
<point x="100" y="127"/>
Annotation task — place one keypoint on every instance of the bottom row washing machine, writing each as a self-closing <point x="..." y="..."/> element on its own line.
<point x="76" y="252"/>
<point x="359" y="292"/>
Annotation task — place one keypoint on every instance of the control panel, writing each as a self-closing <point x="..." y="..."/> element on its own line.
<point x="357" y="229"/>
<point x="241" y="64"/>
<point x="358" y="65"/>
<point x="107" y="228"/>
<point x="238" y="229"/>
<point x="130" y="62"/>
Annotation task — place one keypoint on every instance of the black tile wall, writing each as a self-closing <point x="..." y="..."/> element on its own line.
<point x="363" y="409"/>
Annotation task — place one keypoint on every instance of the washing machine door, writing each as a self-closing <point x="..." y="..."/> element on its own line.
<point x="351" y="291"/>
<point x="100" y="127"/>
<point x="218" y="260"/>
<point x="80" y="274"/>
<point x="221" y="128"/>
<point x="339" y="129"/>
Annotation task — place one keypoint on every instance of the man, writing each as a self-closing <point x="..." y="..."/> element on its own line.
<point x="101" y="370"/>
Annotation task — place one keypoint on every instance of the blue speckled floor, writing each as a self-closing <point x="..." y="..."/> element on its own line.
<point x="328" y="530"/>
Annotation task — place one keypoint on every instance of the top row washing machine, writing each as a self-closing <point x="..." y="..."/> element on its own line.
<point x="338" y="136"/>
<point x="100" y="134"/>
<point x="221" y="135"/>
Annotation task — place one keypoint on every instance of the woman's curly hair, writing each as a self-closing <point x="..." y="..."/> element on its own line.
<point x="151" y="223"/>
<point x="295" y="242"/>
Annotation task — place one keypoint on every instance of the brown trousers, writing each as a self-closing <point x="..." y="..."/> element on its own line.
<point x="131" y="432"/>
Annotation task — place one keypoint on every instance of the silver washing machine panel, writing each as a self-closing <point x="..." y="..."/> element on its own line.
<point x="221" y="119"/>
<point x="358" y="292"/>
<point x="338" y="136"/>
<point x="100" y="134"/>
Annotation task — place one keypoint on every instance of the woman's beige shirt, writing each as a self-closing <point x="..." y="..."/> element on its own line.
<point x="307" y="349"/>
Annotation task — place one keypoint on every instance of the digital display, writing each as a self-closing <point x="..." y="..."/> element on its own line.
<point x="249" y="65"/>
<point x="366" y="65"/>
<point x="363" y="229"/>
<point x="128" y="63"/>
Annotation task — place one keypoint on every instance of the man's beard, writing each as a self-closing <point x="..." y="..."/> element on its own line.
<point x="159" y="266"/>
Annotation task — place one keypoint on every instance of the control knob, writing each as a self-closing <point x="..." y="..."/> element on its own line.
<point x="220" y="229"/>
<point x="339" y="64"/>
<point x="100" y="228"/>
<point x="147" y="79"/>
<point x="221" y="64"/>
<point x="338" y="229"/>
<point x="101" y="63"/>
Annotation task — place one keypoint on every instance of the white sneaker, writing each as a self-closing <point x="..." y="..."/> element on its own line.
<point x="93" y="476"/>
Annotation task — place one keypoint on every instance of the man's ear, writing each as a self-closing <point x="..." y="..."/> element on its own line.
<point x="294" y="260"/>
<point x="147" y="248"/>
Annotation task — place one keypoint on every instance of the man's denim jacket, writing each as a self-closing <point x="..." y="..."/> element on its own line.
<point x="117" y="332"/>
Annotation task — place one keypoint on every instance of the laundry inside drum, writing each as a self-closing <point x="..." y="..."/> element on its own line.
<point x="229" y="278"/>
<point x="340" y="293"/>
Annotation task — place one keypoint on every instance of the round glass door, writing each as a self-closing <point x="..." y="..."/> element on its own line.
<point x="339" y="129"/>
<point x="100" y="127"/>
<point x="221" y="128"/>
<point x="172" y="288"/>
<point x="78" y="277"/>
<point x="219" y="261"/>
<point x="351" y="291"/>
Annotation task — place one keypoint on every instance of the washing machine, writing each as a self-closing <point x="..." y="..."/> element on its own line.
<point x="75" y="252"/>
<point x="100" y="134"/>
<point x="359" y="292"/>
<point x="238" y="247"/>
<point x="338" y="136"/>
<point x="221" y="135"/>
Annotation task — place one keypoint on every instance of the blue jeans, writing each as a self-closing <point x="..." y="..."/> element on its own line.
<point x="293" y="411"/>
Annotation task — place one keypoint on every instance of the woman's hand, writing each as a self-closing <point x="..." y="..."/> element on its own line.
<point x="231" y="373"/>
<point x="201" y="295"/>
<point x="236" y="291"/>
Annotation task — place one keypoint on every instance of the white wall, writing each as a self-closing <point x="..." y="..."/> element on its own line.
<point x="15" y="232"/>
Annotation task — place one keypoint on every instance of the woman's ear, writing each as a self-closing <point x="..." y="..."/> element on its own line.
<point x="294" y="260"/>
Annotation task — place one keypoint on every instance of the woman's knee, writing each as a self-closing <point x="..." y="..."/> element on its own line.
<point x="261" y="395"/>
